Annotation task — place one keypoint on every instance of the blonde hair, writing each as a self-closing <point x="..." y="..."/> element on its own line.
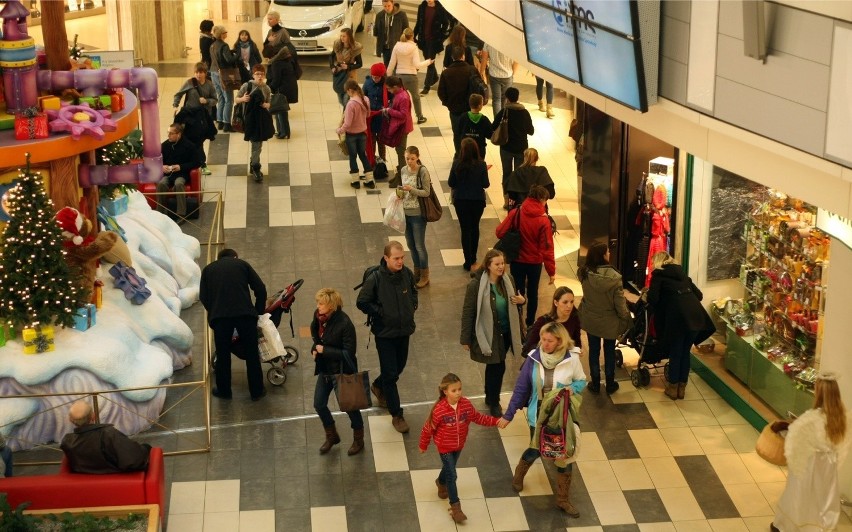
<point x="561" y="333"/>
<point x="407" y="35"/>
<point x="218" y="31"/>
<point x="272" y="14"/>
<point x="330" y="297"/>
<point x="449" y="378"/>
<point x="660" y="259"/>
<point x="827" y="397"/>
<point x="530" y="157"/>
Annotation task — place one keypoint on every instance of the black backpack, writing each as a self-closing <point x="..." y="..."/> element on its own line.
<point x="477" y="86"/>
<point x="368" y="272"/>
<point x="380" y="171"/>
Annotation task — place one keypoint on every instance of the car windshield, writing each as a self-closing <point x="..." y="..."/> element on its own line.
<point x="306" y="2"/>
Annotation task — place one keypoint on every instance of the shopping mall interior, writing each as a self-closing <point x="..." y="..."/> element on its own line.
<point x="646" y="462"/>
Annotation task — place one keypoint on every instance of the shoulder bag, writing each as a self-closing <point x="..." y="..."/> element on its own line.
<point x="278" y="103"/>
<point x="352" y="389"/>
<point x="553" y="441"/>
<point x="501" y="134"/>
<point x="430" y="208"/>
<point x="229" y="73"/>
<point x="510" y="244"/>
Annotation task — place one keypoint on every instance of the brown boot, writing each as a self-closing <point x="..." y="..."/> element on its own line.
<point x="442" y="490"/>
<point x="424" y="278"/>
<point x="357" y="443"/>
<point x="380" y="396"/>
<point x="563" y="483"/>
<point x="331" y="439"/>
<point x="456" y="513"/>
<point x="520" y="472"/>
<point x="671" y="390"/>
<point x="681" y="390"/>
<point x="416" y="274"/>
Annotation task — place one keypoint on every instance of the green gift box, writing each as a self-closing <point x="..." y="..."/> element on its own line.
<point x="103" y="102"/>
<point x="7" y="121"/>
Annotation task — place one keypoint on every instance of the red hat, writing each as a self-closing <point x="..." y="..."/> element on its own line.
<point x="378" y="70"/>
<point x="71" y="222"/>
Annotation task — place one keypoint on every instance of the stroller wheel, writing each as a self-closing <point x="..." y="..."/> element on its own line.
<point x="666" y="371"/>
<point x="276" y="376"/>
<point x="291" y="355"/>
<point x="646" y="376"/>
<point x="619" y="358"/>
<point x="636" y="378"/>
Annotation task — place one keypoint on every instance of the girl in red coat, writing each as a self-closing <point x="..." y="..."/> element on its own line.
<point x="448" y="424"/>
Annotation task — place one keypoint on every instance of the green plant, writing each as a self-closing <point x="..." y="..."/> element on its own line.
<point x="14" y="520"/>
<point x="114" y="190"/>
<point x="67" y="522"/>
<point x="123" y="150"/>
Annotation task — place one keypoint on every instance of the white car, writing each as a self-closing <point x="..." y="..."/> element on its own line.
<point x="314" y="25"/>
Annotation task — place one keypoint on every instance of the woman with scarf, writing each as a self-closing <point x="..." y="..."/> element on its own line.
<point x="345" y="60"/>
<point x="490" y="326"/>
<point x="334" y="346"/>
<point x="554" y="365"/>
<point x="248" y="54"/>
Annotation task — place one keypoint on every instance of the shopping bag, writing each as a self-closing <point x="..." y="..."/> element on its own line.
<point x="269" y="342"/>
<point x="278" y="104"/>
<point x="770" y="446"/>
<point x="395" y="213"/>
<point x="352" y="389"/>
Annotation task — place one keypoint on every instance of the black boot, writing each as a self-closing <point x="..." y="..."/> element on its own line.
<point x="256" y="173"/>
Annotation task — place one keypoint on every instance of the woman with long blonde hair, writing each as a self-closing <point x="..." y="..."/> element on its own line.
<point x="815" y="447"/>
<point x="525" y="176"/>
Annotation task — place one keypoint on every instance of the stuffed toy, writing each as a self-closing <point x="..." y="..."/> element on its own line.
<point x="82" y="249"/>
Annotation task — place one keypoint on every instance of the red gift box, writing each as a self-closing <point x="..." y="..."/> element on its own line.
<point x="30" y="125"/>
<point x="117" y="101"/>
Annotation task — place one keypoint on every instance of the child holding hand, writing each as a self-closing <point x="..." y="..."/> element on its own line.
<point x="448" y="424"/>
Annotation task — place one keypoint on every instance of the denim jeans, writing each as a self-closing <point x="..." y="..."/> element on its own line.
<point x="224" y="100"/>
<point x="325" y="385"/>
<point x="393" y="357"/>
<point x="498" y="88"/>
<point x="357" y="145"/>
<point x="527" y="277"/>
<point x="256" y="147"/>
<point x="679" y="361"/>
<point x="538" y="89"/>
<point x="469" y="213"/>
<point x="282" y="123"/>
<point x="415" y="239"/>
<point x="448" y="475"/>
<point x="595" y="358"/>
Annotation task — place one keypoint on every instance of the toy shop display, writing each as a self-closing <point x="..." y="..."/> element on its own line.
<point x="133" y="286"/>
<point x="38" y="339"/>
<point x="85" y="318"/>
<point x="30" y="124"/>
<point x="785" y="278"/>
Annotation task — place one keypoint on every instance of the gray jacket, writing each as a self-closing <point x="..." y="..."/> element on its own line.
<point x="388" y="28"/>
<point x="468" y="326"/>
<point x="603" y="310"/>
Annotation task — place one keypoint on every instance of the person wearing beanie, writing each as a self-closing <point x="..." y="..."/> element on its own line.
<point x="376" y="91"/>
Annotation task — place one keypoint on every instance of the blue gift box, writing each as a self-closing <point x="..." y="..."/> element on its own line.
<point x="115" y="206"/>
<point x="84" y="318"/>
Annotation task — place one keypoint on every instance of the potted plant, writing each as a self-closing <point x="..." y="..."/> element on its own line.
<point x="123" y="151"/>
<point x="141" y="518"/>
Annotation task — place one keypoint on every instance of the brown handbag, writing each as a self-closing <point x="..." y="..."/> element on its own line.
<point x="230" y="78"/>
<point x="770" y="446"/>
<point x="352" y="389"/>
<point x="430" y="207"/>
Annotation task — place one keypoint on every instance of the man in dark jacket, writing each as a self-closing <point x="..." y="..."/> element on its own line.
<point x="389" y="298"/>
<point x="180" y="156"/>
<point x="454" y="89"/>
<point x="388" y="28"/>
<point x="98" y="448"/>
<point x="224" y="292"/>
<point x="520" y="126"/>
<point x="432" y="27"/>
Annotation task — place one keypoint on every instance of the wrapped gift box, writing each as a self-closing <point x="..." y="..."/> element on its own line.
<point x="30" y="124"/>
<point x="117" y="101"/>
<point x="98" y="293"/>
<point x="38" y="340"/>
<point x="133" y="286"/>
<point x="115" y="206"/>
<point x="84" y="318"/>
<point x="7" y="121"/>
<point x="46" y="103"/>
<point x="7" y="332"/>
<point x="97" y="102"/>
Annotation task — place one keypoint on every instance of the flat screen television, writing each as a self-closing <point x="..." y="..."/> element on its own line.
<point x="596" y="43"/>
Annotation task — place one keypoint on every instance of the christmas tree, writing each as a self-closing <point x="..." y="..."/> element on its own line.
<point x="37" y="286"/>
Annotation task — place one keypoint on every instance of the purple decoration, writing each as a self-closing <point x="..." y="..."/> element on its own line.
<point x="14" y="16"/>
<point x="20" y="87"/>
<point x="99" y="121"/>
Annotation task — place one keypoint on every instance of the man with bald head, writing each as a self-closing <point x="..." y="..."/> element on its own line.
<point x="98" y="448"/>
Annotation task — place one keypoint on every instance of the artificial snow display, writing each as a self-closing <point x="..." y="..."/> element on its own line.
<point x="129" y="346"/>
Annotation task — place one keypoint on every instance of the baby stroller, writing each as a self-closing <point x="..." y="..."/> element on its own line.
<point x="276" y="306"/>
<point x="642" y="338"/>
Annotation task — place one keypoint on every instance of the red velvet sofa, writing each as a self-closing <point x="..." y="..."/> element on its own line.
<point x="193" y="190"/>
<point x="74" y="490"/>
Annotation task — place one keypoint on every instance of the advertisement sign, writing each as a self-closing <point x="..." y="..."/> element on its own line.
<point x="111" y="58"/>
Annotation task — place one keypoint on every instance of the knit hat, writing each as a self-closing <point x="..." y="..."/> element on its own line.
<point x="378" y="70"/>
<point x="71" y="222"/>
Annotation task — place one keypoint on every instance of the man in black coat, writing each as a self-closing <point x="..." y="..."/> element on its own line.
<point x="224" y="292"/>
<point x="180" y="156"/>
<point x="98" y="448"/>
<point x="389" y="298"/>
<point x="432" y="27"/>
<point x="454" y="89"/>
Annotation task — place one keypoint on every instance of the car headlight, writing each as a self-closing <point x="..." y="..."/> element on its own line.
<point x="336" y="22"/>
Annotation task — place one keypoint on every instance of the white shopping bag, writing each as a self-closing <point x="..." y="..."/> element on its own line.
<point x="395" y="213"/>
<point x="269" y="342"/>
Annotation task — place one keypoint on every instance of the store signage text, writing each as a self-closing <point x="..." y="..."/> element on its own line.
<point x="835" y="225"/>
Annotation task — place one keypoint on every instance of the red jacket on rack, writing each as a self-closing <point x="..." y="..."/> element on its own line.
<point x="449" y="426"/>
<point x="536" y="235"/>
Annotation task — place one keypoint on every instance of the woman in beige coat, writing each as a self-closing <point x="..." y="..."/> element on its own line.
<point x="603" y="313"/>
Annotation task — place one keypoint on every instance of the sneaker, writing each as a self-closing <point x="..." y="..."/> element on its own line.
<point x="205" y="171"/>
<point x="421" y="119"/>
<point x="355" y="184"/>
<point x="380" y="396"/>
<point x="400" y="425"/>
<point x="257" y="175"/>
<point x="612" y="387"/>
<point x="370" y="184"/>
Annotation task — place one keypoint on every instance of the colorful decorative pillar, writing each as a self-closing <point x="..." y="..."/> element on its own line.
<point x="17" y="59"/>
